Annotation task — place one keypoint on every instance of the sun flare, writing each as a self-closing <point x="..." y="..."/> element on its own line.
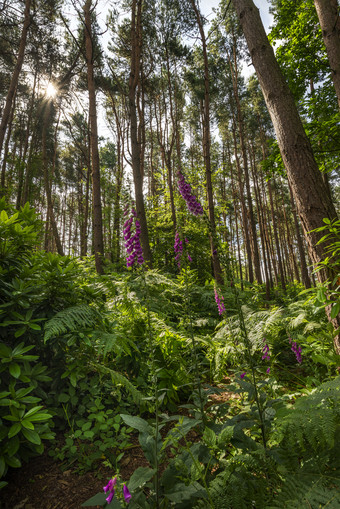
<point x="51" y="90"/>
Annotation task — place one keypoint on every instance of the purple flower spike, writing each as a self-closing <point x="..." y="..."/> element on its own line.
<point x="268" y="370"/>
<point x="219" y="299"/>
<point x="185" y="190"/>
<point x="127" y="494"/>
<point x="132" y="242"/>
<point x="178" y="248"/>
<point x="110" y="497"/>
<point x="296" y="349"/>
<point x="265" y="351"/>
<point x="243" y="375"/>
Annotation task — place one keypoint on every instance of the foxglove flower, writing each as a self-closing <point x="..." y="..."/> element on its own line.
<point x="110" y="497"/>
<point x="242" y="375"/>
<point x="185" y="190"/>
<point x="296" y="349"/>
<point x="265" y="351"/>
<point x="178" y="248"/>
<point x="127" y="494"/>
<point x="220" y="304"/>
<point x="132" y="242"/>
<point x="110" y="487"/>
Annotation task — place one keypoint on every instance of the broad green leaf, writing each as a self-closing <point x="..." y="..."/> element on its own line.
<point x="14" y="429"/>
<point x="335" y="309"/>
<point x="100" y="499"/>
<point x="136" y="423"/>
<point x="140" y="476"/>
<point x="183" y="492"/>
<point x="33" y="410"/>
<point x="209" y="437"/>
<point x="13" y="462"/>
<point x="63" y="398"/>
<point x="23" y="392"/>
<point x="27" y="424"/>
<point x="32" y="436"/>
<point x="34" y="326"/>
<point x="40" y="417"/>
<point x="12" y="446"/>
<point x="14" y="369"/>
<point x="88" y="434"/>
<point x="5" y="351"/>
<point x="21" y="348"/>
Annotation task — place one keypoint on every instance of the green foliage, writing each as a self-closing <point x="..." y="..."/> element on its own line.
<point x="23" y="422"/>
<point x="70" y="320"/>
<point x="98" y="436"/>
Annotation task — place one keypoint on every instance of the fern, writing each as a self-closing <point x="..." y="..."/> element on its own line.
<point x="108" y="342"/>
<point x="70" y="320"/>
<point x="119" y="380"/>
<point x="307" y="491"/>
<point x="314" y="420"/>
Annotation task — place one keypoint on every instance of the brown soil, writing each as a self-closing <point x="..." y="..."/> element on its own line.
<point x="41" y="484"/>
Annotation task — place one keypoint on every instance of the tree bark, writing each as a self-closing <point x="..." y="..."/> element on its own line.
<point x="240" y="122"/>
<point x="135" y="146"/>
<point x="98" y="243"/>
<point x="15" y="76"/>
<point x="328" y="14"/>
<point x="50" y="212"/>
<point x="304" y="271"/>
<point x="312" y="200"/>
<point x="206" y="150"/>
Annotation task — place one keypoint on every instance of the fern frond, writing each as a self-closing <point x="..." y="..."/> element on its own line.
<point x="307" y="491"/>
<point x="119" y="380"/>
<point x="111" y="342"/>
<point x="70" y="320"/>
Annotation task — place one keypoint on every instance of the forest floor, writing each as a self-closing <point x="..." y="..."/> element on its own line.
<point x="42" y="483"/>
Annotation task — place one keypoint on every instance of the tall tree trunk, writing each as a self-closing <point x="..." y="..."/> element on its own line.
<point x="243" y="208"/>
<point x="98" y="243"/>
<point x="136" y="43"/>
<point x="16" y="72"/>
<point x="312" y="200"/>
<point x="304" y="271"/>
<point x="50" y="214"/>
<point x="259" y="207"/>
<point x="234" y="74"/>
<point x="328" y="14"/>
<point x="206" y="149"/>
<point x="5" y="156"/>
<point x="276" y="237"/>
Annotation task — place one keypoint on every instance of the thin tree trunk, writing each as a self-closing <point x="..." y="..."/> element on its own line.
<point x="206" y="150"/>
<point x="5" y="156"/>
<point x="136" y="43"/>
<point x="243" y="209"/>
<point x="304" y="271"/>
<point x="98" y="243"/>
<point x="256" y="256"/>
<point x="46" y="121"/>
<point x="16" y="73"/>
<point x="328" y="14"/>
